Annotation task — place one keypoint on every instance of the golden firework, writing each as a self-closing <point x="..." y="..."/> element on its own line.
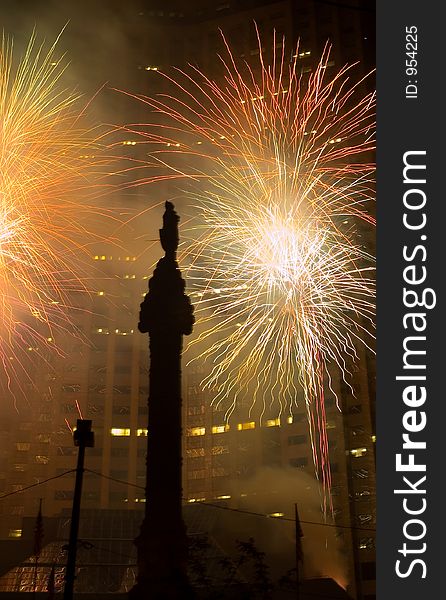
<point x="48" y="169"/>
<point x="278" y="163"/>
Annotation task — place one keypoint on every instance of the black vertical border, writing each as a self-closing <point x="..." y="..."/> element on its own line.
<point x="404" y="125"/>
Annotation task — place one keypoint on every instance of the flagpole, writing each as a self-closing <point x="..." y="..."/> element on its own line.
<point x="51" y="582"/>
<point x="35" y="576"/>
<point x="38" y="538"/>
<point x="299" y="553"/>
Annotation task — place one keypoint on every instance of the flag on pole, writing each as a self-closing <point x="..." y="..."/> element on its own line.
<point x="38" y="532"/>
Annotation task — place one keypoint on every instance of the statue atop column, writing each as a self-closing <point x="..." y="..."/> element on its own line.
<point x="169" y="235"/>
<point x="166" y="305"/>
<point x="166" y="315"/>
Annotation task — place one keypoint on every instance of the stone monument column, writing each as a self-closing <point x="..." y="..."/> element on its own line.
<point x="166" y="315"/>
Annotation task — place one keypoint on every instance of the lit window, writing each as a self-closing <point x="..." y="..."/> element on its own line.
<point x="357" y="430"/>
<point x="195" y="431"/>
<point x="15" y="533"/>
<point x="302" y="54"/>
<point x="216" y="450"/>
<point x="42" y="460"/>
<point x="357" y="452"/>
<point x="367" y="543"/>
<point x="194" y="452"/>
<point x="362" y="493"/>
<point x="23" y="446"/>
<point x="20" y="467"/>
<point x="141" y="432"/>
<point x="365" y="518"/>
<point x="100" y="293"/>
<point x="243" y="426"/>
<point x="289" y="420"/>
<point x="361" y="473"/>
<point x="120" y="432"/>
<point x="272" y="422"/>
<point x="373" y="438"/>
<point x="220" y="428"/>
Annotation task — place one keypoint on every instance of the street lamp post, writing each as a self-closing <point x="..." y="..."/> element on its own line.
<point x="166" y="315"/>
<point x="83" y="438"/>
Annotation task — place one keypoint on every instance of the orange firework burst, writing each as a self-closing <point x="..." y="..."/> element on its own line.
<point x="278" y="166"/>
<point x="46" y="174"/>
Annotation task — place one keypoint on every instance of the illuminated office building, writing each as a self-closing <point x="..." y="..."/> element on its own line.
<point x="104" y="376"/>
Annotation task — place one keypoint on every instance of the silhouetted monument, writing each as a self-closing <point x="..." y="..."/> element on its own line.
<point x="166" y="315"/>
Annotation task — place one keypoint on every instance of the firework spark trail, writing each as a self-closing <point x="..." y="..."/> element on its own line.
<point x="48" y="170"/>
<point x="277" y="167"/>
